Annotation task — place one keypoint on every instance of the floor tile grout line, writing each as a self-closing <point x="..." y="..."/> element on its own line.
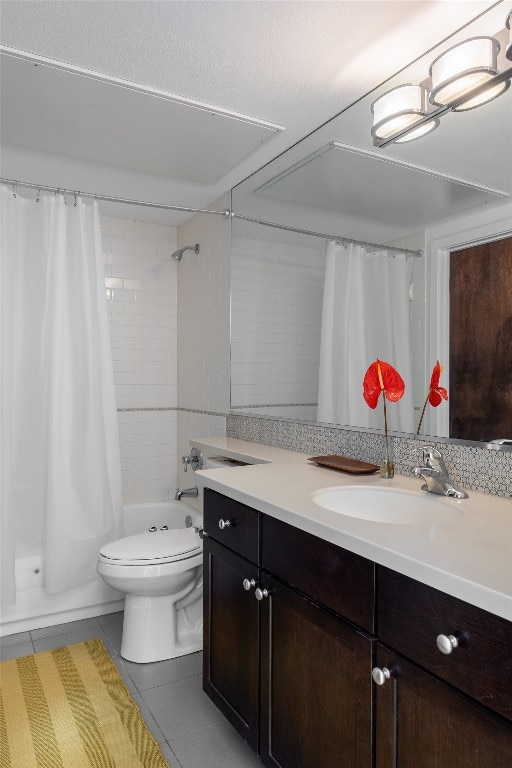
<point x="169" y="682"/>
<point x="66" y="632"/>
<point x="179" y="765"/>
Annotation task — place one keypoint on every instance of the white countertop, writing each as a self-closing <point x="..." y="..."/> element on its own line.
<point x="469" y="556"/>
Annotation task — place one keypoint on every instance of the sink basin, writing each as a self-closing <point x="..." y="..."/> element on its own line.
<point x="387" y="505"/>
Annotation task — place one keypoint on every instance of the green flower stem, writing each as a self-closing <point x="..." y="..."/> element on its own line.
<point x="386" y="426"/>
<point x="423" y="413"/>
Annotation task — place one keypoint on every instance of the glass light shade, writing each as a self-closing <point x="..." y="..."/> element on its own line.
<point x="399" y="109"/>
<point x="464" y="67"/>
<point x="508" y="49"/>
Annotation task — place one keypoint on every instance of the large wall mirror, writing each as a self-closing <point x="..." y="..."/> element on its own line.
<point x="343" y="252"/>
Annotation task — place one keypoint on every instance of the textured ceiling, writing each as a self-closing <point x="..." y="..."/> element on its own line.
<point x="296" y="64"/>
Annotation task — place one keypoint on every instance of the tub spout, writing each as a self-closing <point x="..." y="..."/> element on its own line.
<point x="191" y="492"/>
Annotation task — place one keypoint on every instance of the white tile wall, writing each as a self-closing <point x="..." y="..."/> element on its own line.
<point x="276" y="317"/>
<point x="203" y="312"/>
<point x="203" y="331"/>
<point x="141" y="283"/>
<point x="190" y="425"/>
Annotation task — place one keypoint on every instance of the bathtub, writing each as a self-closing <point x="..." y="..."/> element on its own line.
<point x="35" y="609"/>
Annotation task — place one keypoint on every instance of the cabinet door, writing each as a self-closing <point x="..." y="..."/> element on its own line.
<point x="423" y="723"/>
<point x="316" y="690"/>
<point x="231" y="638"/>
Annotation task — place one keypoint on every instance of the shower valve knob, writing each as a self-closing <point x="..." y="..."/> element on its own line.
<point x="186" y="461"/>
<point x="194" y="459"/>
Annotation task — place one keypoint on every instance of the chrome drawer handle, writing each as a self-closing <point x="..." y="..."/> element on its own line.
<point x="224" y="524"/>
<point x="380" y="675"/>
<point x="446" y="643"/>
<point x="248" y="584"/>
<point x="261" y="593"/>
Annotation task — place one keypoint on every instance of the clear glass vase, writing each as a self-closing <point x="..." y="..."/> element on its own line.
<point x="387" y="466"/>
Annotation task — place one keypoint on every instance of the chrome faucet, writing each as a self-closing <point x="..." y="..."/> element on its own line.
<point x="436" y="476"/>
<point x="192" y="492"/>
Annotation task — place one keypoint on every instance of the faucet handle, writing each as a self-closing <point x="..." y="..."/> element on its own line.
<point x="433" y="458"/>
<point x="429" y="455"/>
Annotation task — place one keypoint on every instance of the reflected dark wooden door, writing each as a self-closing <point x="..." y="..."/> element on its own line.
<point x="316" y="686"/>
<point x="481" y="341"/>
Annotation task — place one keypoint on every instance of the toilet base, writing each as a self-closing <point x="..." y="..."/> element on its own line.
<point x="150" y="632"/>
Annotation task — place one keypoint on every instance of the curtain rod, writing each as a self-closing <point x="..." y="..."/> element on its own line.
<point x="62" y="191"/>
<point x="339" y="238"/>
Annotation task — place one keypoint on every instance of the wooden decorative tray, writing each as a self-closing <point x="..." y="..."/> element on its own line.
<point x="342" y="464"/>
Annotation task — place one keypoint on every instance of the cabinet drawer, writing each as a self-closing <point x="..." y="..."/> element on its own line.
<point x="338" y="579"/>
<point x="233" y="524"/>
<point x="410" y="618"/>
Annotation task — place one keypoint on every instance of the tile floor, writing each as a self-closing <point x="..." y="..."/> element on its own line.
<point x="190" y="730"/>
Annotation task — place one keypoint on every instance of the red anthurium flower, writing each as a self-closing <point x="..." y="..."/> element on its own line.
<point x="382" y="377"/>
<point x="436" y="394"/>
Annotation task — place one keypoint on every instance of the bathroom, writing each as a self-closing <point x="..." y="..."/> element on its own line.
<point x="170" y="321"/>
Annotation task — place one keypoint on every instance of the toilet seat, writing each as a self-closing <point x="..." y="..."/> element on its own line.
<point x="152" y="548"/>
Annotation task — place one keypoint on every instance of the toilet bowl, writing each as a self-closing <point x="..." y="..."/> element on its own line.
<point x="162" y="576"/>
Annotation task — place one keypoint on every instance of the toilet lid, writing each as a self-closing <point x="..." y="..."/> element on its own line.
<point x="156" y="546"/>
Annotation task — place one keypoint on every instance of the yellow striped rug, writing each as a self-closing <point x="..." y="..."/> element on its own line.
<point x="69" y="708"/>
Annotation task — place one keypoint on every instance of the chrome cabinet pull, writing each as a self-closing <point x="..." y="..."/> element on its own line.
<point x="247" y="584"/>
<point x="224" y="524"/>
<point x="380" y="675"/>
<point x="261" y="593"/>
<point x="446" y="643"/>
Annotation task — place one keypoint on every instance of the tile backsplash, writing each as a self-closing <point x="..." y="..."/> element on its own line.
<point x="472" y="467"/>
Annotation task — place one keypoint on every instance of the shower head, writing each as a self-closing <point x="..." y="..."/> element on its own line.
<point x="179" y="253"/>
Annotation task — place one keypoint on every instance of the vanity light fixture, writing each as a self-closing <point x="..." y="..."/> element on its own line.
<point x="401" y="109"/>
<point x="463" y="77"/>
<point x="461" y="69"/>
<point x="508" y="25"/>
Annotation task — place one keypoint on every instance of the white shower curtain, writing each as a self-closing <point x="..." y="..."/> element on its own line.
<point x="365" y="316"/>
<point x="61" y="474"/>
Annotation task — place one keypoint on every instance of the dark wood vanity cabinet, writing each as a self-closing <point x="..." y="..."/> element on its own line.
<point x="290" y="675"/>
<point x="421" y="722"/>
<point x="316" y="692"/>
<point x="231" y="613"/>
<point x="411" y="617"/>
<point x="293" y="670"/>
<point x="435" y="709"/>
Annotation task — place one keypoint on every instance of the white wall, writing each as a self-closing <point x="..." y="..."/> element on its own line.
<point x="140" y="281"/>
<point x="276" y="316"/>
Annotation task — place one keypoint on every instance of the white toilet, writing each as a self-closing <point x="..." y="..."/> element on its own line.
<point x="162" y="576"/>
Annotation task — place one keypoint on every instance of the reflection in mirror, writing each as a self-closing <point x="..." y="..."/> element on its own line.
<point x="294" y="284"/>
<point x="481" y="369"/>
<point x="308" y="318"/>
